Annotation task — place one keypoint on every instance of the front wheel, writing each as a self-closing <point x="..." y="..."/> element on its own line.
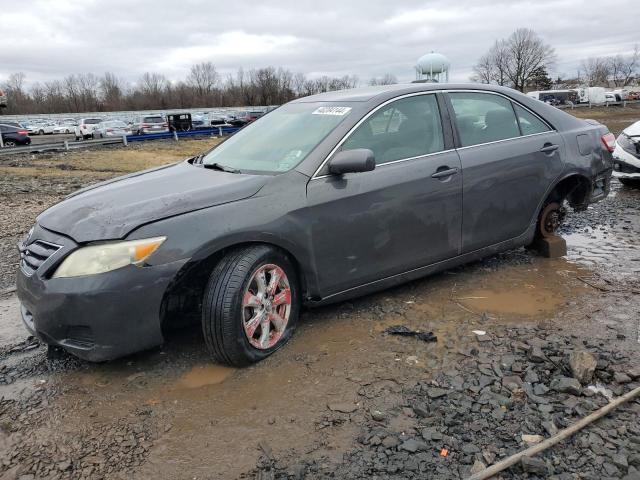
<point x="251" y="305"/>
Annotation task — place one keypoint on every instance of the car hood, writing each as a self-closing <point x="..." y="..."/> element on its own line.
<point x="112" y="209"/>
<point x="633" y="130"/>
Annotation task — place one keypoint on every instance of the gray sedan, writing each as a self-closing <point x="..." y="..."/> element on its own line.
<point x="323" y="199"/>
<point x="111" y="128"/>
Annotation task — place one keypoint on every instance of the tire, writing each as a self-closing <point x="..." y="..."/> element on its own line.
<point x="630" y="182"/>
<point x="9" y="144"/>
<point x="226" y="314"/>
<point x="41" y="132"/>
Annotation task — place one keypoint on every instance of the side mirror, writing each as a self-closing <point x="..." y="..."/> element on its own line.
<point x="352" y="161"/>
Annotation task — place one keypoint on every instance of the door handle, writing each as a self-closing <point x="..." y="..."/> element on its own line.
<point x="444" y="172"/>
<point x="549" y="148"/>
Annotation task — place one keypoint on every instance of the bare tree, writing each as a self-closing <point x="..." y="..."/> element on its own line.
<point x="203" y="77"/>
<point x="513" y="61"/>
<point x="595" y="71"/>
<point x="112" y="91"/>
<point x="15" y="83"/>
<point x="527" y="53"/>
<point x="492" y="66"/>
<point x="623" y="68"/>
<point x="386" y="79"/>
<point x="87" y="92"/>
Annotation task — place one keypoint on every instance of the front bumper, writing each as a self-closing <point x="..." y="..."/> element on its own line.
<point x="625" y="165"/>
<point x="95" y="317"/>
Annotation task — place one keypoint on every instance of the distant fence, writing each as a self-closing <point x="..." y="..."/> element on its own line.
<point x="123" y="140"/>
<point x="622" y="103"/>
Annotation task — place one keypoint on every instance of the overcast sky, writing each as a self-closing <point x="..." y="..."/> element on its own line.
<point x="53" y="38"/>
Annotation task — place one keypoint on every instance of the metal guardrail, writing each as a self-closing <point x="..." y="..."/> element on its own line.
<point x="124" y="140"/>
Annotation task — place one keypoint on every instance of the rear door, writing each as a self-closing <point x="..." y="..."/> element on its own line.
<point x="509" y="158"/>
<point x="404" y="214"/>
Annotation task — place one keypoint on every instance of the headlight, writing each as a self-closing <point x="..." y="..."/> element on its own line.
<point x="627" y="144"/>
<point x="107" y="256"/>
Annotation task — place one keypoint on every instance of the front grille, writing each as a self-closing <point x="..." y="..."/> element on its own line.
<point x="35" y="254"/>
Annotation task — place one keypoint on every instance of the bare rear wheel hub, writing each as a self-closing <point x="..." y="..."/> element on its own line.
<point x="551" y="218"/>
<point x="266" y="306"/>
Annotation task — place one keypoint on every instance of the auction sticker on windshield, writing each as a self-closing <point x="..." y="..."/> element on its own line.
<point x="331" y="111"/>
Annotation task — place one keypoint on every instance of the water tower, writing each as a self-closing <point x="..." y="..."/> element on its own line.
<point x="432" y="67"/>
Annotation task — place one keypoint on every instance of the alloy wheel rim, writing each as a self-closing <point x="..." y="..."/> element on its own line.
<point x="266" y="306"/>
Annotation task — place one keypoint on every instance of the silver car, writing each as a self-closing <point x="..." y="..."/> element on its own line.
<point x="111" y="128"/>
<point x="149" y="124"/>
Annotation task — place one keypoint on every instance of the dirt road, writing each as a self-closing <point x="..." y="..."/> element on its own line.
<point x="344" y="399"/>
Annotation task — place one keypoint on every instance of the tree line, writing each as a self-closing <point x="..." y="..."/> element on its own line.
<point x="523" y="60"/>
<point x="203" y="87"/>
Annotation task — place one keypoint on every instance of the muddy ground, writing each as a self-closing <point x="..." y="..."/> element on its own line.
<point x="344" y="399"/>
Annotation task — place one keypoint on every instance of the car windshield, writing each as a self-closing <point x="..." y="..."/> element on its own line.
<point x="91" y="121"/>
<point x="279" y="141"/>
<point x="153" y="120"/>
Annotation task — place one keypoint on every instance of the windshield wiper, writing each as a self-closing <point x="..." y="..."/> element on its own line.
<point x="198" y="159"/>
<point x="222" y="168"/>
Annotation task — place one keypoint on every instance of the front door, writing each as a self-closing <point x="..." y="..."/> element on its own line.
<point x="371" y="225"/>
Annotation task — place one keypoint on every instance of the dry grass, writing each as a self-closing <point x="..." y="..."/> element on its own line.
<point x="108" y="162"/>
<point x="614" y="117"/>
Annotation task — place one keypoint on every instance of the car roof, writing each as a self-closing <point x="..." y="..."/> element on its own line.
<point x="365" y="94"/>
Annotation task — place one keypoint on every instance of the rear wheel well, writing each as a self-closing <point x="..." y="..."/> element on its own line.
<point x="575" y="189"/>
<point x="182" y="300"/>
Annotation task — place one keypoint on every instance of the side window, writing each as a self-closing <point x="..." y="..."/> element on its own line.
<point x="529" y="123"/>
<point x="406" y="128"/>
<point x="483" y="117"/>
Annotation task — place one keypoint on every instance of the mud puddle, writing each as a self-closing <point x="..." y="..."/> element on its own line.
<point x="12" y="330"/>
<point x="204" y="375"/>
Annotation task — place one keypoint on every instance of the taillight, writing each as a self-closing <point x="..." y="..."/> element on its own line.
<point x="165" y="125"/>
<point x="609" y="141"/>
<point x="22" y="132"/>
<point x="146" y="125"/>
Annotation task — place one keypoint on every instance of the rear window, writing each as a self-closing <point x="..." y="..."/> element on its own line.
<point x="92" y="121"/>
<point x="529" y="123"/>
<point x="483" y="117"/>
<point x="153" y="120"/>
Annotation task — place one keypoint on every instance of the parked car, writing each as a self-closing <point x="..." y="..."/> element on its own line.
<point x="44" y="128"/>
<point x="66" y="127"/>
<point x="111" y="128"/>
<point x="12" y="123"/>
<point x="610" y="97"/>
<point x="13" y="136"/>
<point x="32" y="128"/>
<point x="626" y="156"/>
<point x="323" y="199"/>
<point x="149" y="124"/>
<point x="85" y="127"/>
